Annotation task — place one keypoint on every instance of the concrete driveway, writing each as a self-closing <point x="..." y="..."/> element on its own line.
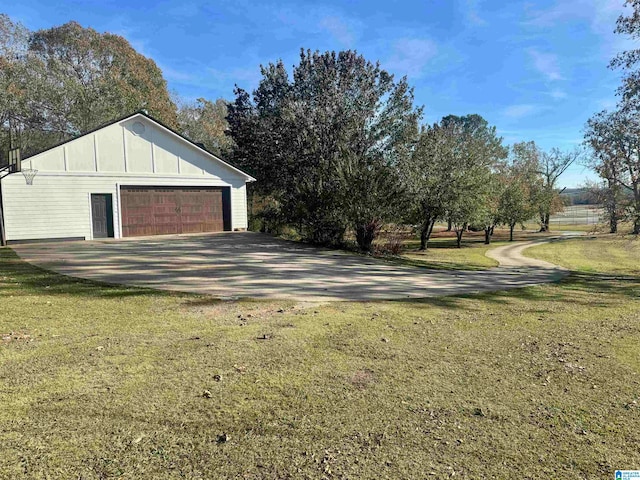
<point x="237" y="265"/>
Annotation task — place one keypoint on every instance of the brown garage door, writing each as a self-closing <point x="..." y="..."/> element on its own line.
<point x="165" y="211"/>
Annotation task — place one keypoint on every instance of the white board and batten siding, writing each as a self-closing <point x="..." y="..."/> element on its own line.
<point x="136" y="151"/>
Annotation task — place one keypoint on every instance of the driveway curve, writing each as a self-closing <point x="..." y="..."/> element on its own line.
<point x="251" y="265"/>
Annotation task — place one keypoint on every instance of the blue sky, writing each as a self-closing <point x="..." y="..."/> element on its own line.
<point x="536" y="69"/>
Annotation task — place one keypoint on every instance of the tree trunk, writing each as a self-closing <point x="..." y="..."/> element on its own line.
<point x="459" y="233"/>
<point x="544" y="222"/>
<point x="366" y="233"/>
<point x="636" y="213"/>
<point x="611" y="204"/>
<point x="487" y="235"/>
<point x="449" y="225"/>
<point x="425" y="233"/>
<point x="511" y="227"/>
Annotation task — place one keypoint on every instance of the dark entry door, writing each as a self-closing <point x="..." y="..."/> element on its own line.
<point x="102" y="215"/>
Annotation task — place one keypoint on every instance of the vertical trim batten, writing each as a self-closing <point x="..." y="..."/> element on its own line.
<point x="124" y="146"/>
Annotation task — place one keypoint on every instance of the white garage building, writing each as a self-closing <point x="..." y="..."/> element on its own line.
<point x="132" y="177"/>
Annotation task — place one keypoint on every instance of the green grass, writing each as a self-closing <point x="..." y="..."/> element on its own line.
<point x="104" y="382"/>
<point x="615" y="254"/>
<point x="442" y="254"/>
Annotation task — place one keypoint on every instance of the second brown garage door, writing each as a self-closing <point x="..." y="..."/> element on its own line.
<point x="165" y="211"/>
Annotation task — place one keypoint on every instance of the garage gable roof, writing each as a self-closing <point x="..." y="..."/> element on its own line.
<point x="163" y="127"/>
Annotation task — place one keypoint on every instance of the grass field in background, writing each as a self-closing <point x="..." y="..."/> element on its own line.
<point x="561" y="227"/>
<point x="108" y="382"/>
<point x="578" y="215"/>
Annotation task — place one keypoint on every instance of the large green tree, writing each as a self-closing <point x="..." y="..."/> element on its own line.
<point x="613" y="136"/>
<point x="614" y="139"/>
<point x="517" y="199"/>
<point x="628" y="60"/>
<point x="551" y="165"/>
<point x="425" y="172"/>
<point x="93" y="77"/>
<point x="326" y="144"/>
<point x="449" y="173"/>
<point x="543" y="169"/>
<point x="65" y="80"/>
<point x="205" y="121"/>
<point x="19" y="85"/>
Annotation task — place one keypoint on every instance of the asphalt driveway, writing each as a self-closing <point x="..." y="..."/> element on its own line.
<point x="239" y="265"/>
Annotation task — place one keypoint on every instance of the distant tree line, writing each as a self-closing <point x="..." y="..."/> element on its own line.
<point x="337" y="144"/>
<point x="614" y="136"/>
<point x="579" y="196"/>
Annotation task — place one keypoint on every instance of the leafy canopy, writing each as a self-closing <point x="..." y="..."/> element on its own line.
<point x="326" y="144"/>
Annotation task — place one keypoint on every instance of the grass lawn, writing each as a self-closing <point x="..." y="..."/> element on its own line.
<point x="442" y="253"/>
<point x="104" y="382"/>
<point x="611" y="253"/>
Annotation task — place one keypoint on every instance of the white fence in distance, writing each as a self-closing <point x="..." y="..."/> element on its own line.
<point x="578" y="215"/>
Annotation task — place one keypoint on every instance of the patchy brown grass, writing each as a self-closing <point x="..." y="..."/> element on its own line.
<point x="539" y="383"/>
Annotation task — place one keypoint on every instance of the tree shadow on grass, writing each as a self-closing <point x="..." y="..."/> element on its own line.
<point x="576" y="288"/>
<point x="616" y="284"/>
<point x="18" y="278"/>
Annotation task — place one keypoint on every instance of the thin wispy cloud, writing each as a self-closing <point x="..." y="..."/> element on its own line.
<point x="183" y="9"/>
<point x="411" y="56"/>
<point x="199" y="77"/>
<point x="471" y="10"/>
<point x="245" y="77"/>
<point x="539" y="135"/>
<point x="520" y="111"/>
<point x="607" y="104"/>
<point x="557" y="94"/>
<point x="546" y="64"/>
<point x="338" y="29"/>
<point x="600" y="15"/>
<point x="321" y="20"/>
<point x="599" y="12"/>
<point x="174" y="75"/>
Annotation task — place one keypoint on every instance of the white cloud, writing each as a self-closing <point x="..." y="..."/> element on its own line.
<point x="601" y="15"/>
<point x="247" y="78"/>
<point x="520" y="110"/>
<point x="303" y="20"/>
<point x="411" y="56"/>
<point x="599" y="12"/>
<point x="557" y="94"/>
<point x="174" y="75"/>
<point x="471" y="10"/>
<point x="339" y="29"/>
<point x="546" y="63"/>
<point x="607" y="103"/>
